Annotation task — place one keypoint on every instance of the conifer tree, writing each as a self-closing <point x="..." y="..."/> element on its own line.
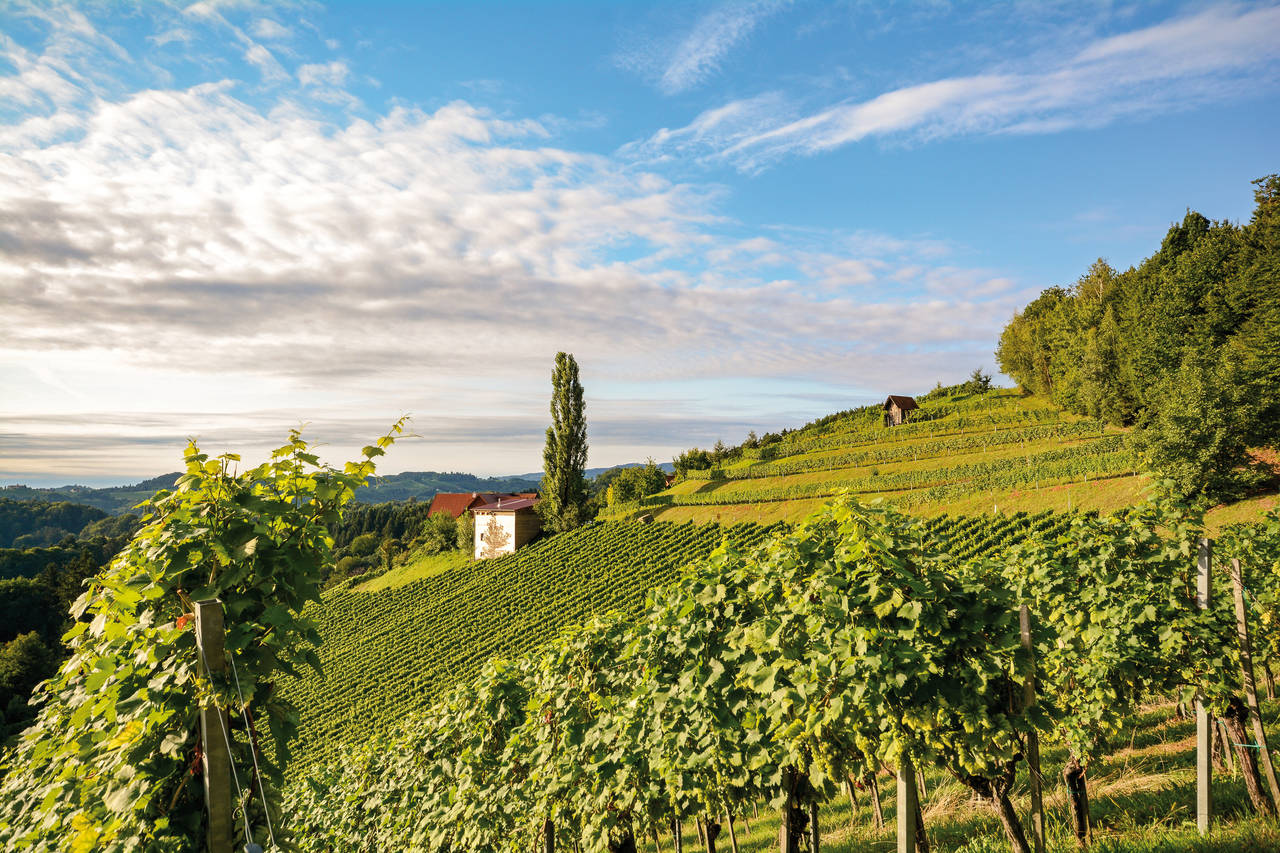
<point x="564" y="459"/>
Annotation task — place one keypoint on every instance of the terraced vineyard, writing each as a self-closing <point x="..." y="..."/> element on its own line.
<point x="390" y="652"/>
<point x="964" y="452"/>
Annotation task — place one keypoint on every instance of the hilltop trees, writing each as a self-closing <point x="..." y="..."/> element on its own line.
<point x="564" y="459"/>
<point x="1185" y="346"/>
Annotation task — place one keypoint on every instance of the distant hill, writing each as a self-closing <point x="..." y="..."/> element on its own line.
<point x="115" y="500"/>
<point x="592" y="473"/>
<point x="421" y="485"/>
<point x="37" y="523"/>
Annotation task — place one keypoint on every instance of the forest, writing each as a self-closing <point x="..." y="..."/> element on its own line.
<point x="1185" y="347"/>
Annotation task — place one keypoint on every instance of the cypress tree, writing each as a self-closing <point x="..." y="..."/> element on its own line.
<point x="564" y="459"/>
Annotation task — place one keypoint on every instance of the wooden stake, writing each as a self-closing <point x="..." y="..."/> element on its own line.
<point x="906" y="806"/>
<point x="1250" y="689"/>
<point x="877" y="813"/>
<point x="210" y="643"/>
<point x="1033" y="738"/>
<point x="853" y="801"/>
<point x="733" y="835"/>
<point x="1204" y="739"/>
<point x="815" y="838"/>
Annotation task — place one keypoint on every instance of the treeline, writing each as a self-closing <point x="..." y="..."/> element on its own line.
<point x="26" y="524"/>
<point x="1185" y="347"/>
<point x="37" y="589"/>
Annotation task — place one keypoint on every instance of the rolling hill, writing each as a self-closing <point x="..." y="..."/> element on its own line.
<point x="960" y="453"/>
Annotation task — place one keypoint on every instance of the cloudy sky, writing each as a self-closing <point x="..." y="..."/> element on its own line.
<point x="229" y="218"/>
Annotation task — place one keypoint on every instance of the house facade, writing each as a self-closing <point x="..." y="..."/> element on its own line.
<point x="505" y="525"/>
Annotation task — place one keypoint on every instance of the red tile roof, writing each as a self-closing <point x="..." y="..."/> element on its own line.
<point x="456" y="503"/>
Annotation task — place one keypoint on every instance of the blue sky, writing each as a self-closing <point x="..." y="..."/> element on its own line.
<point x="223" y="219"/>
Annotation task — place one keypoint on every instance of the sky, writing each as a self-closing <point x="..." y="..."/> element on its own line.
<point x="229" y="218"/>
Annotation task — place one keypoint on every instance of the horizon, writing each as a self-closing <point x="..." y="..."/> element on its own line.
<point x="227" y="219"/>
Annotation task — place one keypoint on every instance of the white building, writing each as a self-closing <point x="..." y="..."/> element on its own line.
<point x="505" y="525"/>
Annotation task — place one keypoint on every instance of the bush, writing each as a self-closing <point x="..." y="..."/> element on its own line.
<point x="439" y="533"/>
<point x="363" y="545"/>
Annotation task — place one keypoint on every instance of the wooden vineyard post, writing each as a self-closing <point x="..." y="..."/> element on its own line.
<point x="1033" y="737"/>
<point x="906" y="806"/>
<point x="1204" y="734"/>
<point x="210" y="643"/>
<point x="1250" y="689"/>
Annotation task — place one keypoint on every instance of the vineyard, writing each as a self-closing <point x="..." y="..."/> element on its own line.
<point x="641" y="684"/>
<point x="995" y="447"/>
<point x="393" y="651"/>
<point x="779" y="676"/>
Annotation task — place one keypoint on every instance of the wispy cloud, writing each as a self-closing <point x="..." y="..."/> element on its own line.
<point x="1170" y="66"/>
<point x="268" y="28"/>
<point x="681" y="63"/>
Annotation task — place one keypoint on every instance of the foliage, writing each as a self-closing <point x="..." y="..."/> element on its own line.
<point x="26" y="524"/>
<point x="465" y="534"/>
<point x="1186" y="346"/>
<point x="1112" y="620"/>
<point x="105" y="767"/>
<point x="631" y="484"/>
<point x="29" y="605"/>
<point x="25" y="661"/>
<point x="396" y="650"/>
<point x="439" y="533"/>
<point x="564" y="458"/>
<point x="828" y="650"/>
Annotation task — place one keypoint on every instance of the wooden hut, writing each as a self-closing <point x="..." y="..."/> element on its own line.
<point x="897" y="409"/>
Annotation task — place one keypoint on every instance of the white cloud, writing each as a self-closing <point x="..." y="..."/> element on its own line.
<point x="267" y="28"/>
<point x="330" y="73"/>
<point x="1169" y="66"/>
<point x="176" y="34"/>
<point x="684" y="62"/>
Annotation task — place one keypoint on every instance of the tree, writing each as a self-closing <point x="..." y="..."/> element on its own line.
<point x="564" y="459"/>
<point x="440" y="533"/>
<point x="632" y="484"/>
<point x="466" y="533"/>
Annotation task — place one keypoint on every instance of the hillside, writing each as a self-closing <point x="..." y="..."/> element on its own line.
<point x="420" y="485"/>
<point x="391" y="648"/>
<point x="961" y="453"/>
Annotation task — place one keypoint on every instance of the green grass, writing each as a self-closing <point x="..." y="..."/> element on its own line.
<point x="417" y="567"/>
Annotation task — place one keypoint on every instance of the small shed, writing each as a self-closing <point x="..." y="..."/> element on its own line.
<point x="896" y="409"/>
<point x="505" y="525"/>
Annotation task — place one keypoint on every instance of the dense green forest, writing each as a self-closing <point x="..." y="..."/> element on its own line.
<point x="24" y="524"/>
<point x="1185" y="347"/>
